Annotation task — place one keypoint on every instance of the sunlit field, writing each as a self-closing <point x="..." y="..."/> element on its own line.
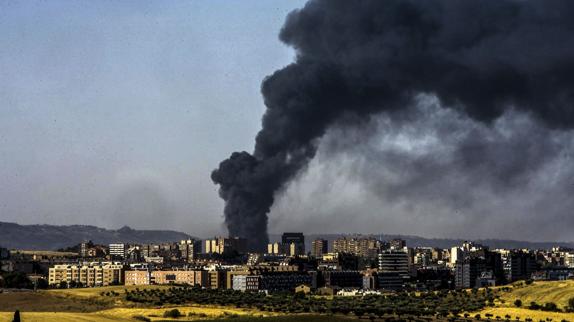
<point x="558" y="292"/>
<point x="88" y="304"/>
<point x="189" y="313"/>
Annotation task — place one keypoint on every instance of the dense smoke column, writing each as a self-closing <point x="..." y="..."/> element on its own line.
<point x="355" y="59"/>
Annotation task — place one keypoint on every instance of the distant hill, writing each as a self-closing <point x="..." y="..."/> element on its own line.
<point x="50" y="237"/>
<point x="416" y="241"/>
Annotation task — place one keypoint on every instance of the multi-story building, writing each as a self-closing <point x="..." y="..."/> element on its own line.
<point x="437" y="254"/>
<point x="146" y="277"/>
<point x="150" y="250"/>
<point x="173" y="277"/>
<point x="397" y="244"/>
<point x="394" y="261"/>
<point x="257" y="270"/>
<point x="479" y="267"/>
<point x="273" y="281"/>
<point x="84" y="248"/>
<point x="137" y="277"/>
<point x="220" y="245"/>
<point x="468" y="249"/>
<point x="344" y="245"/>
<point x="339" y="261"/>
<point x="467" y="271"/>
<point x="298" y="241"/>
<point x="456" y="254"/>
<point x="423" y="256"/>
<point x="389" y="281"/>
<point x="520" y="265"/>
<point x="94" y="274"/>
<point x="217" y="279"/>
<point x="189" y="249"/>
<point x="364" y="247"/>
<point x="117" y="250"/>
<point x="343" y="279"/>
<point x="283" y="281"/>
<point x="278" y="249"/>
<point x="319" y="247"/>
<point x="246" y="282"/>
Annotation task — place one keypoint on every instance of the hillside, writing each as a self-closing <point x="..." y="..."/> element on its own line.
<point x="51" y="237"/>
<point x="558" y="292"/>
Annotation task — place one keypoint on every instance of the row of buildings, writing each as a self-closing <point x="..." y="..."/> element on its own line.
<point x="361" y="262"/>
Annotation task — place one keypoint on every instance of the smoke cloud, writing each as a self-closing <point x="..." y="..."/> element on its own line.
<point x="433" y="172"/>
<point x="484" y="59"/>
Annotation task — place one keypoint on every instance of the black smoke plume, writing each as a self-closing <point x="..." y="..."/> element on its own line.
<point x="356" y="59"/>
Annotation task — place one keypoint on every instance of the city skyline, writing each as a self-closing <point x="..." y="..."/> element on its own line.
<point x="287" y="160"/>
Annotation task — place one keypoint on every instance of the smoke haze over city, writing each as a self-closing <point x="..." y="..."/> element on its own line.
<point x="437" y="118"/>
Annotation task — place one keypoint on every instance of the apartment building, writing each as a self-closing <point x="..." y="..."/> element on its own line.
<point x="217" y="279"/>
<point x="319" y="247"/>
<point x="220" y="245"/>
<point x="146" y="277"/>
<point x="364" y="247"/>
<point x="278" y="249"/>
<point x="349" y="279"/>
<point x="94" y="274"/>
<point x="296" y="242"/>
<point x="195" y="277"/>
<point x="189" y="249"/>
<point x="246" y="282"/>
<point x="118" y="250"/>
<point x="394" y="261"/>
<point x="137" y="277"/>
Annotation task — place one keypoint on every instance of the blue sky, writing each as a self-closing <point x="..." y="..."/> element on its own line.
<point x="115" y="113"/>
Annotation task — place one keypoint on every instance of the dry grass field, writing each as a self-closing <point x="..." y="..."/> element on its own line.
<point x="88" y="305"/>
<point x="127" y="314"/>
<point x="524" y="314"/>
<point x="558" y="292"/>
<point x="67" y="300"/>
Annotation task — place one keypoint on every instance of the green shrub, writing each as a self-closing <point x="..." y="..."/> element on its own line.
<point x="175" y="313"/>
<point x="141" y="318"/>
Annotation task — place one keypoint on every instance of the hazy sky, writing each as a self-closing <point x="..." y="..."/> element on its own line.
<point x="115" y="113"/>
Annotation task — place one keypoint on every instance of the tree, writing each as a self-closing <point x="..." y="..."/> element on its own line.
<point x="550" y="306"/>
<point x="16" y="316"/>
<point x="17" y="280"/>
<point x="359" y="313"/>
<point x="518" y="303"/>
<point x="42" y="284"/>
<point x="175" y="313"/>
